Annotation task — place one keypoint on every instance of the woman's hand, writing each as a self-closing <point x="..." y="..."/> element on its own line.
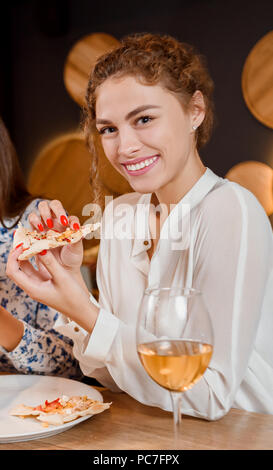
<point x="53" y="216"/>
<point x="58" y="281"/>
<point x="64" y="289"/>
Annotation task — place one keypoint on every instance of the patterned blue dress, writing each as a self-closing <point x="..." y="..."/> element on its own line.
<point x="41" y="350"/>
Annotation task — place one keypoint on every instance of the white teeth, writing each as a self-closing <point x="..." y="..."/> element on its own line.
<point x="141" y="165"/>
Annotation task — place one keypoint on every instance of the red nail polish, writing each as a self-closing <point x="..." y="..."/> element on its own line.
<point x="40" y="227"/>
<point x="64" y="220"/>
<point x="44" y="252"/>
<point x="76" y="226"/>
<point x="20" y="244"/>
<point x="49" y="223"/>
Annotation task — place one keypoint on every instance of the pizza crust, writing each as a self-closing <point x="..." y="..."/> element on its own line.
<point x="23" y="410"/>
<point x="34" y="242"/>
<point x="70" y="409"/>
<point x="58" y="419"/>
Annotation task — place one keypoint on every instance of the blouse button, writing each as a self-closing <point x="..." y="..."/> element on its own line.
<point x="146" y="242"/>
<point x="76" y="329"/>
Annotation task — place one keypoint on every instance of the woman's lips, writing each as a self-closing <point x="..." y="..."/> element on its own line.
<point x="143" y="170"/>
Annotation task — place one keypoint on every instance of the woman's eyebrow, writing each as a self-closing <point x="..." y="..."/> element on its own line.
<point x="140" y="109"/>
<point x="131" y="114"/>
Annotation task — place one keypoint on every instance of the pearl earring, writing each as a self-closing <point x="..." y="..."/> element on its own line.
<point x="194" y="128"/>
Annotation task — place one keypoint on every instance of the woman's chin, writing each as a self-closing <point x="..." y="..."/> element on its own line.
<point x="143" y="187"/>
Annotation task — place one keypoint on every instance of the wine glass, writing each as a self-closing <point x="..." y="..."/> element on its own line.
<point x="174" y="340"/>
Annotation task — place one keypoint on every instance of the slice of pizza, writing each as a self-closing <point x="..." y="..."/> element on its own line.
<point x="61" y="410"/>
<point x="34" y="242"/>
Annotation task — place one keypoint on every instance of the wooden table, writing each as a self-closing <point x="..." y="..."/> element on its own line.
<point x="131" y="425"/>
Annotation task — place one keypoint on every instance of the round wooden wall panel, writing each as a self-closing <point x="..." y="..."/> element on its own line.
<point x="257" y="177"/>
<point x="61" y="171"/>
<point x="257" y="80"/>
<point x="80" y="61"/>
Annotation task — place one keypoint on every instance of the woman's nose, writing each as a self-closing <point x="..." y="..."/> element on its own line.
<point x="129" y="144"/>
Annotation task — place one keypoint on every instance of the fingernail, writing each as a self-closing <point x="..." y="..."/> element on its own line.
<point x="76" y="226"/>
<point x="40" y="227"/>
<point x="64" y="220"/>
<point x="49" y="223"/>
<point x="20" y="244"/>
<point x="44" y="252"/>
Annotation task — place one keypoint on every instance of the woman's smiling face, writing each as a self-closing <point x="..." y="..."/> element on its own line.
<point x="145" y="132"/>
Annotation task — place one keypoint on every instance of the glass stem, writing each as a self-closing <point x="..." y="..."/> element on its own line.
<point x="176" y="402"/>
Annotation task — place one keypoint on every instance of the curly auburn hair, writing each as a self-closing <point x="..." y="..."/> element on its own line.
<point x="152" y="59"/>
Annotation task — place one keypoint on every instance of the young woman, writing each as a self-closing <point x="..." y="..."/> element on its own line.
<point x="28" y="342"/>
<point x="150" y="100"/>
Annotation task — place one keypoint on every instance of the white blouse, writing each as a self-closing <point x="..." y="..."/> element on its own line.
<point x="225" y="250"/>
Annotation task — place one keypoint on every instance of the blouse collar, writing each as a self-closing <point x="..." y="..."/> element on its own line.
<point x="142" y="238"/>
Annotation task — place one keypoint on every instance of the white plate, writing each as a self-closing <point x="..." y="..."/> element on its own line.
<point x="33" y="390"/>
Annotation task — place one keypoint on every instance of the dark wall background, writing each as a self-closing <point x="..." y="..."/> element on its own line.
<point x="37" y="36"/>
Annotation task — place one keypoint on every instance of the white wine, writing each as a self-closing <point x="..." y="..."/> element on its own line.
<point x="175" y="364"/>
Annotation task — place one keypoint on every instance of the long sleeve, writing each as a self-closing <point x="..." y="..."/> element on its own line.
<point x="42" y="350"/>
<point x="91" y="350"/>
<point x="232" y="267"/>
<point x="230" y="257"/>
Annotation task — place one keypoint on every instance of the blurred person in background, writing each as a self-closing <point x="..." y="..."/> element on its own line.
<point x="28" y="342"/>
